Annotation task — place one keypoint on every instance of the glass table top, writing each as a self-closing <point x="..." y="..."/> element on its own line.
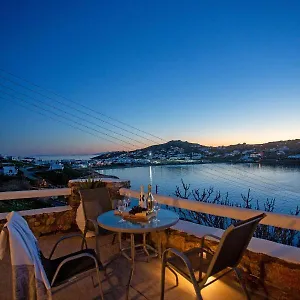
<point x="111" y="222"/>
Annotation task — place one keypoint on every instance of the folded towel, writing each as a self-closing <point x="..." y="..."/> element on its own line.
<point x="29" y="278"/>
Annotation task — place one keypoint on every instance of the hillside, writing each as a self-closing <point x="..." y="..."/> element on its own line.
<point x="176" y="147"/>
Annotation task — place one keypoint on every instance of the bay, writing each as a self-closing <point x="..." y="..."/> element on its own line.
<point x="265" y="182"/>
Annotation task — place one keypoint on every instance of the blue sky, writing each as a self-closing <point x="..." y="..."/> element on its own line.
<point x="215" y="73"/>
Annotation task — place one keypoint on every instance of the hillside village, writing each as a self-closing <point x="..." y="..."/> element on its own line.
<point x="173" y="152"/>
<point x="185" y="152"/>
<point x="40" y="173"/>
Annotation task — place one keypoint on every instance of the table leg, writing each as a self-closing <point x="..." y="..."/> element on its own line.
<point x="132" y="248"/>
<point x="145" y="247"/>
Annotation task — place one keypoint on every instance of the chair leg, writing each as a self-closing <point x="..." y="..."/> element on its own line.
<point x="84" y="235"/>
<point x="196" y="287"/>
<point x="100" y="284"/>
<point x="120" y="240"/>
<point x="238" y="274"/>
<point x="98" y="246"/>
<point x="175" y="274"/>
<point x="162" y="282"/>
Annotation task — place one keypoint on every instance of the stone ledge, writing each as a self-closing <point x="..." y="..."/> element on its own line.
<point x="32" y="212"/>
<point x="284" y="252"/>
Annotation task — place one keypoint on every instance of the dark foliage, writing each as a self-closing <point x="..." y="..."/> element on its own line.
<point x="276" y="234"/>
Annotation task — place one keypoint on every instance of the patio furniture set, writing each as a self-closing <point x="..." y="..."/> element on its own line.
<point x="196" y="265"/>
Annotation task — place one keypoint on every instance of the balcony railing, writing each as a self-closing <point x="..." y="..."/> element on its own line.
<point x="260" y="251"/>
<point x="35" y="193"/>
<point x="20" y="195"/>
<point x="272" y="219"/>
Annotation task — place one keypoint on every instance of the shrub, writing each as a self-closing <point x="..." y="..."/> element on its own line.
<point x="276" y="234"/>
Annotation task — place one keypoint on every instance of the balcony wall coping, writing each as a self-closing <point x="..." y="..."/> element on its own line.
<point x="13" y="195"/>
<point x="39" y="211"/>
<point x="284" y="252"/>
<point x="272" y="219"/>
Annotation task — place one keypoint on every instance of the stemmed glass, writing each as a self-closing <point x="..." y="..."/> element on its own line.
<point x="127" y="200"/>
<point x="121" y="209"/>
<point x="156" y="208"/>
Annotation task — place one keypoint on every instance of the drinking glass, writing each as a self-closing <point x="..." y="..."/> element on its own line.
<point x="127" y="200"/>
<point x="156" y="208"/>
<point x="121" y="209"/>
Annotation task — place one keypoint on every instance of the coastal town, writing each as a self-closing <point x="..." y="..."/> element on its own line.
<point x="45" y="171"/>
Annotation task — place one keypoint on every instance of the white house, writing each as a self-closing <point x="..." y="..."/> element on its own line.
<point x="28" y="159"/>
<point x="255" y="155"/>
<point x="9" y="170"/>
<point x="56" y="166"/>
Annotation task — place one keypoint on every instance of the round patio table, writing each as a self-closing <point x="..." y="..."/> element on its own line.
<point x="110" y="221"/>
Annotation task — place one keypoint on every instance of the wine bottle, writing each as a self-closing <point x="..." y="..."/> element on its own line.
<point x="150" y="199"/>
<point x="142" y="198"/>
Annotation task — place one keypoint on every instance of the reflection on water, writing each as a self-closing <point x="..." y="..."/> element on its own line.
<point x="150" y="174"/>
<point x="279" y="182"/>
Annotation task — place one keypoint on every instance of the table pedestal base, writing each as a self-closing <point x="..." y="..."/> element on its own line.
<point x="147" y="249"/>
<point x="144" y="247"/>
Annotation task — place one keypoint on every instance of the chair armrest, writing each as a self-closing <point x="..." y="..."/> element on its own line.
<point x="95" y="225"/>
<point x="73" y="258"/>
<point x="180" y="255"/>
<point x="184" y="258"/>
<point x="65" y="238"/>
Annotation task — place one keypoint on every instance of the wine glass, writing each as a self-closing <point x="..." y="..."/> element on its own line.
<point x="121" y="209"/>
<point x="156" y="208"/>
<point x="127" y="200"/>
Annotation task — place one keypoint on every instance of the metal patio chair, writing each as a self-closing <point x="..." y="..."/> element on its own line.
<point x="95" y="202"/>
<point x="194" y="262"/>
<point x="67" y="268"/>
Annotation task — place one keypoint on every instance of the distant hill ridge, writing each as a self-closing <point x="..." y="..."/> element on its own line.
<point x="187" y="147"/>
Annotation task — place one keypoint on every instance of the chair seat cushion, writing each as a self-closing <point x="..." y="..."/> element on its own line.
<point x="193" y="255"/>
<point x="70" y="268"/>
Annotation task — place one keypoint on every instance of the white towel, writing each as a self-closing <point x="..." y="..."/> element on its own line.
<point x="29" y="278"/>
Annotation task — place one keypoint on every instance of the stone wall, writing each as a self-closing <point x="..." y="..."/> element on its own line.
<point x="113" y="186"/>
<point x="270" y="276"/>
<point x="49" y="222"/>
<point x="52" y="222"/>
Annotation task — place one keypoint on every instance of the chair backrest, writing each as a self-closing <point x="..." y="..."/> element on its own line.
<point x="233" y="244"/>
<point x="95" y="202"/>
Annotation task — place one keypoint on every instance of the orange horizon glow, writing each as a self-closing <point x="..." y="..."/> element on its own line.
<point x="253" y="141"/>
